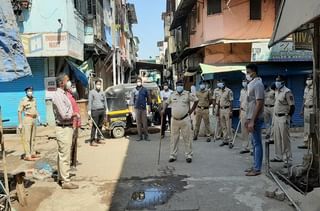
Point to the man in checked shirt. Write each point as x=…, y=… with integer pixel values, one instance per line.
x=63, y=112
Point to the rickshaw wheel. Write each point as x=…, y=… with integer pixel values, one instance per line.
x=118, y=132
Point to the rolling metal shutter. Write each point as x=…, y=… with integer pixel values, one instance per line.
x=12, y=92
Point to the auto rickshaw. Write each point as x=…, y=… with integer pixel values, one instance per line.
x=120, y=114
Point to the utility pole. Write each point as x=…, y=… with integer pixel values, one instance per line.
x=113, y=29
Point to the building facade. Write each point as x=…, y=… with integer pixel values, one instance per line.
x=227, y=35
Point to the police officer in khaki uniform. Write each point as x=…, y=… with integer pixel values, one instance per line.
x=181, y=121
x=202, y=111
x=225, y=112
x=28, y=124
x=269, y=100
x=246, y=145
x=307, y=110
x=283, y=111
x=215, y=109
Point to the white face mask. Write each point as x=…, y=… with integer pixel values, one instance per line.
x=29, y=94
x=98, y=87
x=309, y=82
x=165, y=87
x=278, y=84
x=220, y=85
x=68, y=85
x=248, y=77
x=244, y=84
x=74, y=90
x=202, y=86
x=139, y=83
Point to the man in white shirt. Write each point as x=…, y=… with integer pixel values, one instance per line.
x=164, y=95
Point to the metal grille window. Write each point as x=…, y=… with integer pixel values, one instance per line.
x=89, y=6
x=214, y=7
x=255, y=9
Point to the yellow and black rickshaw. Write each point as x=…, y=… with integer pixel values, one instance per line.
x=120, y=114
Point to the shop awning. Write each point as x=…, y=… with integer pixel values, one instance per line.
x=209, y=69
x=182, y=12
x=292, y=15
x=189, y=74
x=78, y=74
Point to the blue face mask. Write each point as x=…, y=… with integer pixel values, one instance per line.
x=179, y=89
x=202, y=86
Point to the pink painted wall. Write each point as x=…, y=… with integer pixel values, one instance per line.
x=233, y=23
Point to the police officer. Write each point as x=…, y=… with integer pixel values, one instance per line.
x=202, y=111
x=28, y=124
x=164, y=95
x=243, y=113
x=307, y=109
x=225, y=112
x=181, y=121
x=269, y=100
x=215, y=109
x=283, y=111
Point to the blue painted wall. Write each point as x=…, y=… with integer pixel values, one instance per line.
x=12, y=92
x=44, y=14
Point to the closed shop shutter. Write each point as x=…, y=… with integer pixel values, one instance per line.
x=12, y=92
x=296, y=84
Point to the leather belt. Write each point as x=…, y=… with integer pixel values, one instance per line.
x=308, y=106
x=31, y=115
x=203, y=107
x=225, y=107
x=64, y=125
x=269, y=106
x=179, y=119
x=281, y=115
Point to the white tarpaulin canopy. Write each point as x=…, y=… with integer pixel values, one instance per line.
x=292, y=15
x=208, y=69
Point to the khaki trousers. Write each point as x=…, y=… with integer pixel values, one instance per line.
x=64, y=140
x=268, y=116
x=183, y=128
x=246, y=143
x=142, y=122
x=202, y=114
x=29, y=134
x=217, y=131
x=282, y=137
x=225, y=122
x=306, y=114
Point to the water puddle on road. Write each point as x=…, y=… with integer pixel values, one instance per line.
x=149, y=198
x=148, y=193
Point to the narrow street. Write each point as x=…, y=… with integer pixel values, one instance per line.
x=110, y=175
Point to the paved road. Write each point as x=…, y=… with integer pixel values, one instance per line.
x=123, y=174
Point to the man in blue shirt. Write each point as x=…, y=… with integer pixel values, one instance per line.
x=140, y=99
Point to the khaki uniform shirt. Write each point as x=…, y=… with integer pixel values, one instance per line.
x=226, y=96
x=284, y=99
x=180, y=103
x=308, y=96
x=243, y=99
x=28, y=107
x=204, y=98
x=269, y=97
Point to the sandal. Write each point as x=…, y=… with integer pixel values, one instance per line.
x=93, y=144
x=275, y=160
x=29, y=159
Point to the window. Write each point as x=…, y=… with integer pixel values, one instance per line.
x=214, y=7
x=255, y=9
